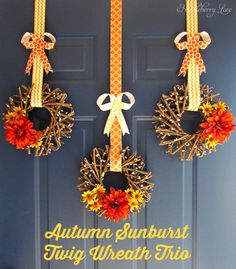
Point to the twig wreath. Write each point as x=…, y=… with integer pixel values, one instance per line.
x=38, y=117
x=20, y=130
x=215, y=128
x=216, y=123
x=115, y=203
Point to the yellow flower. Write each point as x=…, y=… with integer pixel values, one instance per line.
x=99, y=191
x=37, y=144
x=211, y=142
x=134, y=205
x=88, y=197
x=206, y=109
x=220, y=105
x=9, y=117
x=129, y=193
x=138, y=196
x=18, y=111
x=96, y=205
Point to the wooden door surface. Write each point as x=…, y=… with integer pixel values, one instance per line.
x=37, y=193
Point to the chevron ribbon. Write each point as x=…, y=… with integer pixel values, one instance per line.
x=39, y=61
x=193, y=62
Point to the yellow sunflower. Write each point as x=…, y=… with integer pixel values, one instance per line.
x=206, y=109
x=88, y=197
x=129, y=193
x=9, y=117
x=211, y=142
x=134, y=205
x=138, y=196
x=99, y=191
x=96, y=205
x=18, y=111
x=220, y=105
x=37, y=144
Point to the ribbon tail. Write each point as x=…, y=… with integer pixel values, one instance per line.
x=29, y=64
x=46, y=64
x=122, y=122
x=184, y=67
x=109, y=123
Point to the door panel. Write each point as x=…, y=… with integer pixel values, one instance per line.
x=37, y=193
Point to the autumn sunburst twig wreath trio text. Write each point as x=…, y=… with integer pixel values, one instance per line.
x=216, y=122
x=115, y=203
x=38, y=116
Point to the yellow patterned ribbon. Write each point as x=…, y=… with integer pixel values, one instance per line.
x=194, y=65
x=116, y=105
x=38, y=66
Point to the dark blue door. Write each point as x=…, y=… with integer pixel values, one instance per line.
x=37, y=193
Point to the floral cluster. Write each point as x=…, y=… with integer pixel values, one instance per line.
x=217, y=125
x=19, y=130
x=114, y=204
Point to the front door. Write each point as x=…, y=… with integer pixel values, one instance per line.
x=37, y=193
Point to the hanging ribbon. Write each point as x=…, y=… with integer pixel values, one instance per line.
x=116, y=81
x=37, y=56
x=116, y=105
x=193, y=46
x=193, y=62
x=38, y=46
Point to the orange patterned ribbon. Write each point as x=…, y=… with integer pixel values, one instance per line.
x=116, y=80
x=38, y=46
x=193, y=46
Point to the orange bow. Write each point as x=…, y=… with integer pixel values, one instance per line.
x=38, y=46
x=193, y=46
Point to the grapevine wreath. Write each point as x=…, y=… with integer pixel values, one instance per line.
x=214, y=122
x=20, y=130
x=113, y=181
x=214, y=129
x=38, y=117
x=114, y=204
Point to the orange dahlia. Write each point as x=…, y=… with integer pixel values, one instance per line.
x=115, y=205
x=21, y=133
x=219, y=124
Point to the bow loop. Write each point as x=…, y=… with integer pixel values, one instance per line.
x=38, y=46
x=116, y=105
x=193, y=46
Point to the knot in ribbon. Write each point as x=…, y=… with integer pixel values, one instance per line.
x=193, y=46
x=116, y=105
x=38, y=46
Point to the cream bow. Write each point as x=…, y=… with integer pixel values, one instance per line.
x=115, y=106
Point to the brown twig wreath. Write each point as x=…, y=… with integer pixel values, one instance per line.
x=215, y=128
x=20, y=130
x=114, y=204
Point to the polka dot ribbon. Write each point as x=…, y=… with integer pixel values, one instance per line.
x=38, y=46
x=193, y=46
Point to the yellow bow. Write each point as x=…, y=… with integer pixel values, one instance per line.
x=116, y=106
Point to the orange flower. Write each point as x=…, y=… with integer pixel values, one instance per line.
x=21, y=133
x=115, y=205
x=219, y=125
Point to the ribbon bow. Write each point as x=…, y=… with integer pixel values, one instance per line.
x=115, y=106
x=193, y=46
x=38, y=46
